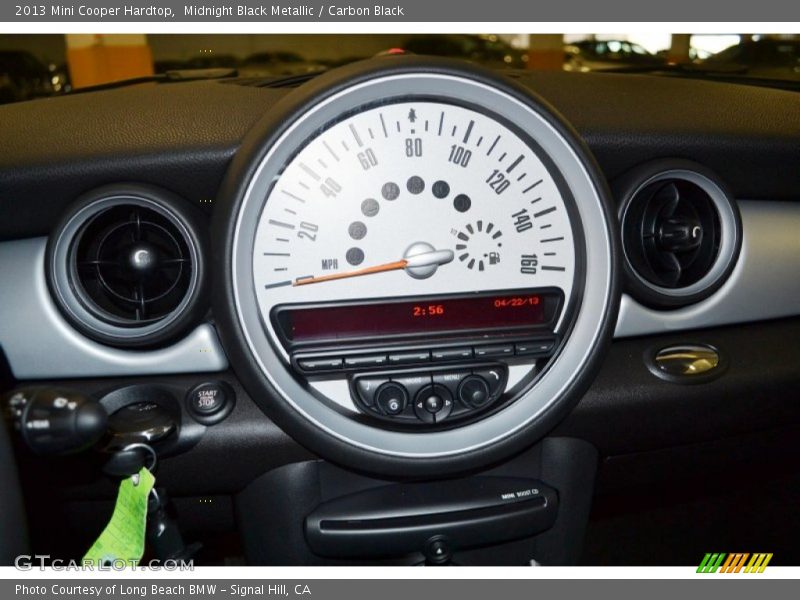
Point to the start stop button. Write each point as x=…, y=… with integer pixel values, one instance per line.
x=210, y=402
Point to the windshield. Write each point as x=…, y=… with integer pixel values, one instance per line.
x=36, y=66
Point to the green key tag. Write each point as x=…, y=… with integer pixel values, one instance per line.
x=123, y=537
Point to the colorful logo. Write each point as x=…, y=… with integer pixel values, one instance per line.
x=734, y=563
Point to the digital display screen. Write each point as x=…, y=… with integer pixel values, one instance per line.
x=420, y=317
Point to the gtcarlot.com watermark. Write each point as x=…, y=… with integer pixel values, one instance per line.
x=27, y=562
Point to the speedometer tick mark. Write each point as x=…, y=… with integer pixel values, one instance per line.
x=355, y=135
x=278, y=269
x=281, y=224
x=454, y=131
x=555, y=239
x=304, y=185
x=278, y=284
x=548, y=226
x=530, y=187
x=290, y=211
x=535, y=200
x=478, y=144
x=276, y=254
x=398, y=127
x=549, y=268
x=544, y=212
x=469, y=131
x=441, y=123
x=371, y=135
x=310, y=171
x=333, y=154
x=502, y=157
x=463, y=257
x=293, y=196
x=345, y=146
x=383, y=124
x=521, y=177
x=514, y=164
x=322, y=163
x=494, y=143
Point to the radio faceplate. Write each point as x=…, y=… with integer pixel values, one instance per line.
x=437, y=382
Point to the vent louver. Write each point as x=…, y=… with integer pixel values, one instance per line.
x=133, y=265
x=681, y=234
x=125, y=265
x=672, y=233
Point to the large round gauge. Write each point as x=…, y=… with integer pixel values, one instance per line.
x=462, y=194
x=417, y=266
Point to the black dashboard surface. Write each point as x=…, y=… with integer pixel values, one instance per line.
x=182, y=135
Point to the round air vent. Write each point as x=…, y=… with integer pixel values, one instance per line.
x=125, y=265
x=681, y=233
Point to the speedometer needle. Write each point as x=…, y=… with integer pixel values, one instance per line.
x=418, y=263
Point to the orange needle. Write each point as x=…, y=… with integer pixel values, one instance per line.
x=391, y=266
x=428, y=257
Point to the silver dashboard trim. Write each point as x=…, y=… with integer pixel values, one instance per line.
x=39, y=343
x=765, y=284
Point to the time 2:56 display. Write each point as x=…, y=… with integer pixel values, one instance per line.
x=431, y=310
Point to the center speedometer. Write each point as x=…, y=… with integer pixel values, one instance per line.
x=418, y=197
x=418, y=265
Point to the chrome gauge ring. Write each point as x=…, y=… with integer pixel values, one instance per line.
x=418, y=266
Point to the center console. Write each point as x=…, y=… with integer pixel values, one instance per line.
x=531, y=509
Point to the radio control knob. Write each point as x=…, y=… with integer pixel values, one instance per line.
x=434, y=403
x=496, y=377
x=391, y=398
x=474, y=391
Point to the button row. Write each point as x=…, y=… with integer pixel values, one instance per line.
x=537, y=347
x=430, y=397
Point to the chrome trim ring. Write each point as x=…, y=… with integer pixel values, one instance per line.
x=579, y=347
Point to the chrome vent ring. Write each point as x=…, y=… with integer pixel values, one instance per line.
x=126, y=267
x=681, y=233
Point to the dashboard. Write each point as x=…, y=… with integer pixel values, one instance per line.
x=409, y=268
